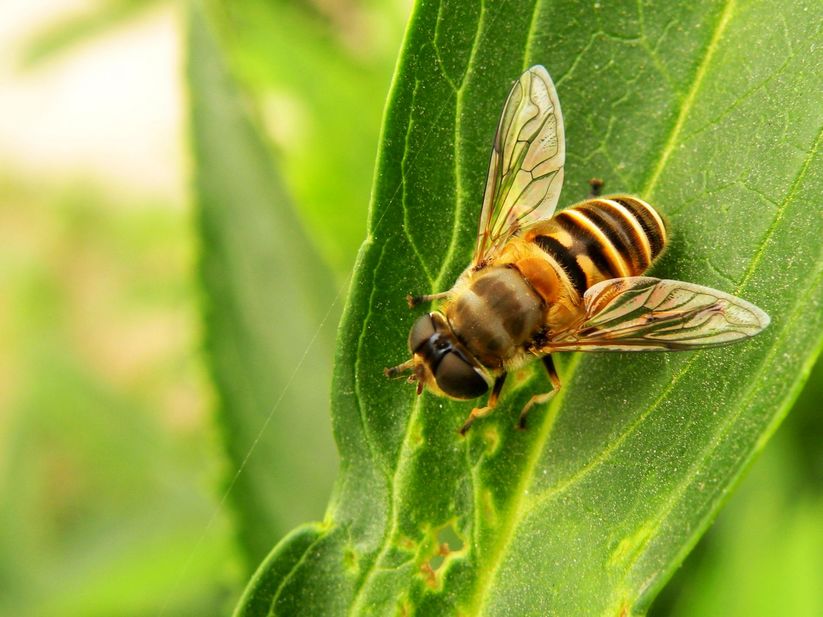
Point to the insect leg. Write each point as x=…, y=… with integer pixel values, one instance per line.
x=482, y=412
x=415, y=300
x=539, y=399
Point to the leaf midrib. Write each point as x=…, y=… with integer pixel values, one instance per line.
x=494, y=559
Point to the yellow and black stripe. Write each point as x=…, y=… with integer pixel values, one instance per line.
x=603, y=238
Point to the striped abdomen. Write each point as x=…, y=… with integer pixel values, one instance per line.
x=603, y=238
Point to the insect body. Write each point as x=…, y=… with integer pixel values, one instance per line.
x=541, y=282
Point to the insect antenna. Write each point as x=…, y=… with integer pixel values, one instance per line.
x=396, y=372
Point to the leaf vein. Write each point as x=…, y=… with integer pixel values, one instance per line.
x=436, y=49
x=691, y=95
x=804, y=168
x=458, y=184
x=612, y=446
x=288, y=577
x=361, y=341
x=513, y=515
x=405, y=164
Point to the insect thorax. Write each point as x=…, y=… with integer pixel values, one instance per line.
x=495, y=314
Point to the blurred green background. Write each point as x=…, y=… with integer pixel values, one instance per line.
x=126, y=129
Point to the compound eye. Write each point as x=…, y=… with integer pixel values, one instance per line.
x=458, y=378
x=421, y=331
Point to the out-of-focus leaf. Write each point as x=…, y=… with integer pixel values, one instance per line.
x=269, y=312
x=319, y=83
x=70, y=30
x=106, y=472
x=702, y=108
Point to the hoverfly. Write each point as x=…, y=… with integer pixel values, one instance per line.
x=541, y=282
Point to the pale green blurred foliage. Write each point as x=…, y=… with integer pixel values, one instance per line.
x=111, y=471
x=108, y=461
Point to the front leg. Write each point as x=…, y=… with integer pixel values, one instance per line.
x=482, y=412
x=539, y=399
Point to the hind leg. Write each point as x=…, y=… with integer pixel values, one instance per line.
x=539, y=399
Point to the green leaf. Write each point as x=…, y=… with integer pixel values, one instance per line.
x=269, y=308
x=703, y=109
x=104, y=481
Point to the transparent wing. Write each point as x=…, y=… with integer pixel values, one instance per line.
x=647, y=314
x=526, y=167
